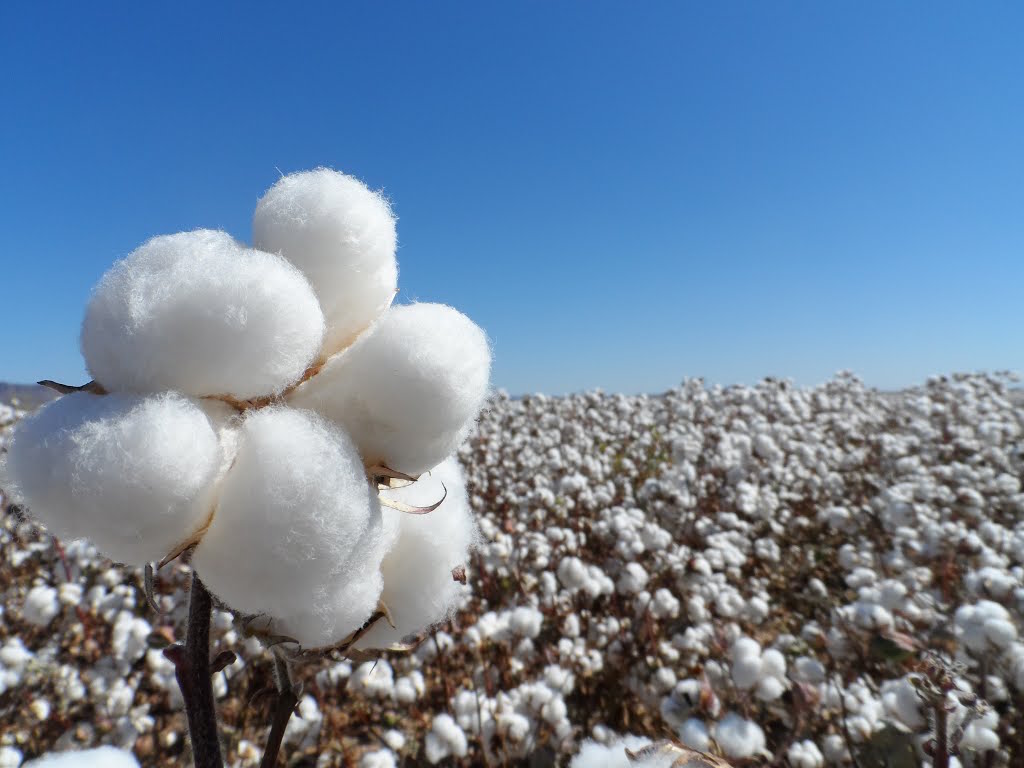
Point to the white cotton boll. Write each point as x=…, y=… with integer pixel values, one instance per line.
x=981, y=734
x=408, y=391
x=373, y=678
x=739, y=737
x=380, y=758
x=134, y=475
x=769, y=688
x=41, y=606
x=342, y=236
x=773, y=663
x=102, y=757
x=595, y=755
x=633, y=579
x=297, y=535
x=804, y=754
x=10, y=757
x=445, y=738
x=695, y=735
x=199, y=313
x=419, y=589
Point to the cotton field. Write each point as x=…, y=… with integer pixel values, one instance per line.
x=774, y=575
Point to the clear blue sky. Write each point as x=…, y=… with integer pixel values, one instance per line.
x=621, y=194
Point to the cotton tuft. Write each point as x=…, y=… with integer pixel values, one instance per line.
x=133, y=475
x=419, y=589
x=408, y=391
x=199, y=313
x=342, y=236
x=296, y=528
x=101, y=757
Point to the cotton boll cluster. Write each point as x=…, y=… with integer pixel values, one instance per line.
x=201, y=431
x=764, y=672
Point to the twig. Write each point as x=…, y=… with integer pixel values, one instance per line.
x=192, y=669
x=842, y=709
x=283, y=708
x=941, y=757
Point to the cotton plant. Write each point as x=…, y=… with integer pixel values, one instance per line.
x=269, y=413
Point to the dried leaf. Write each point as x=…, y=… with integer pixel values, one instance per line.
x=386, y=478
x=682, y=757
x=402, y=507
x=187, y=544
x=222, y=660
x=67, y=389
x=148, y=582
x=459, y=574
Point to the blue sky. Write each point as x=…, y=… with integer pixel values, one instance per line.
x=621, y=194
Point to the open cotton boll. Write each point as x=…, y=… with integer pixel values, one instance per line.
x=342, y=236
x=419, y=590
x=101, y=757
x=593, y=754
x=739, y=737
x=133, y=475
x=199, y=313
x=408, y=391
x=295, y=522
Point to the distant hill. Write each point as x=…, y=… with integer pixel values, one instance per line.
x=25, y=396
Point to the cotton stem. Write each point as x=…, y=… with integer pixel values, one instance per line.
x=192, y=669
x=283, y=708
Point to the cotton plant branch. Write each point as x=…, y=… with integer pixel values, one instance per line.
x=284, y=705
x=194, y=674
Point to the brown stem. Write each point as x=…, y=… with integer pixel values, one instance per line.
x=941, y=759
x=286, y=701
x=192, y=669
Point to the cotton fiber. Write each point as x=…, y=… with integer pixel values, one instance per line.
x=419, y=590
x=295, y=523
x=595, y=755
x=349, y=602
x=134, y=475
x=408, y=391
x=342, y=236
x=199, y=313
x=739, y=737
x=102, y=757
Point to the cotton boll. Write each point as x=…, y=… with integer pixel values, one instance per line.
x=41, y=606
x=595, y=755
x=418, y=586
x=199, y=313
x=134, y=475
x=739, y=737
x=694, y=734
x=445, y=738
x=804, y=754
x=342, y=236
x=297, y=535
x=408, y=391
x=380, y=758
x=102, y=757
